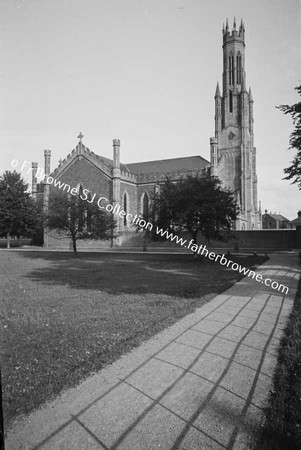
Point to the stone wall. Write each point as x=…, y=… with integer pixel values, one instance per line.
x=243, y=241
x=248, y=241
x=90, y=177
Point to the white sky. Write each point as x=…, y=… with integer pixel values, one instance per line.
x=144, y=71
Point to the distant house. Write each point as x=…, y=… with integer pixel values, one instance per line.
x=275, y=221
x=296, y=221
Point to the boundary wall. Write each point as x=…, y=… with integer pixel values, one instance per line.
x=242, y=241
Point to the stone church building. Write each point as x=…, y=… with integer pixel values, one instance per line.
x=232, y=154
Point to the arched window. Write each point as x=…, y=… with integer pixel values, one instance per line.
x=231, y=69
x=145, y=205
x=238, y=68
x=125, y=208
x=231, y=102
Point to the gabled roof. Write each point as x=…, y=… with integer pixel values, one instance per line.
x=297, y=220
x=101, y=162
x=278, y=217
x=168, y=165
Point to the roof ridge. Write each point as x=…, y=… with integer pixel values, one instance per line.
x=167, y=159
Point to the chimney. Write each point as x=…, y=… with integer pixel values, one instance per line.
x=34, y=166
x=299, y=213
x=47, y=155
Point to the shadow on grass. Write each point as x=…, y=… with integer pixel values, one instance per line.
x=173, y=275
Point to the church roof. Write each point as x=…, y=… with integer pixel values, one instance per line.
x=168, y=165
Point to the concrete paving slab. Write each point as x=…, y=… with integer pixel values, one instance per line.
x=178, y=354
x=248, y=356
x=155, y=377
x=233, y=333
x=238, y=380
x=209, y=366
x=156, y=430
x=72, y=436
x=186, y=396
x=221, y=415
x=195, y=339
x=222, y=347
x=262, y=390
x=244, y=321
x=209, y=326
x=269, y=364
x=196, y=439
x=125, y=404
x=200, y=384
x=255, y=340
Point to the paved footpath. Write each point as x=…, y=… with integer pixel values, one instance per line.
x=200, y=384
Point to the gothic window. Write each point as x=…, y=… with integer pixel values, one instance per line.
x=145, y=206
x=231, y=69
x=125, y=208
x=238, y=68
x=231, y=102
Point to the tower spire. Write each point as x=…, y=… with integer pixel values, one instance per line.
x=217, y=91
x=250, y=95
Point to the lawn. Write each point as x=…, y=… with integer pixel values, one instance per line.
x=63, y=318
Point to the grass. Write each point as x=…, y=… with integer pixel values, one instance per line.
x=282, y=428
x=63, y=318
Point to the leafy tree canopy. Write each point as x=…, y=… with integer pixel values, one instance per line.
x=76, y=218
x=197, y=204
x=19, y=214
x=293, y=172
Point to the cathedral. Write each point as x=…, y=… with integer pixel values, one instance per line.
x=232, y=156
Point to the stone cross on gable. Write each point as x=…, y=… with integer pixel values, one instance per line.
x=80, y=136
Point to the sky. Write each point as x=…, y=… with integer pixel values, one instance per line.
x=145, y=72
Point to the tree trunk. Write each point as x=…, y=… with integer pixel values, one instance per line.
x=74, y=245
x=8, y=240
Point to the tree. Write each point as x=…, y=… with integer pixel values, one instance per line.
x=19, y=214
x=73, y=217
x=197, y=204
x=293, y=172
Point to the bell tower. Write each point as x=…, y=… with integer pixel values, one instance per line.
x=233, y=155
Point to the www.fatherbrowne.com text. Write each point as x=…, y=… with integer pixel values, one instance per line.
x=103, y=203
